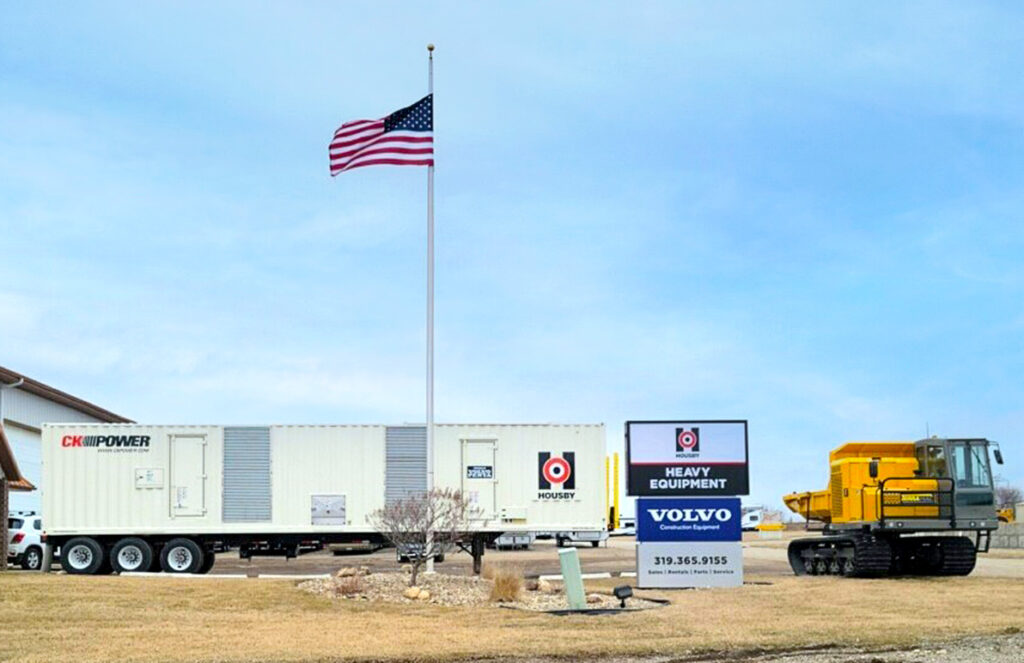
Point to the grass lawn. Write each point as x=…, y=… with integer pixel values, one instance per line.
x=81, y=619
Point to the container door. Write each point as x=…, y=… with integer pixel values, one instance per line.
x=479, y=481
x=188, y=475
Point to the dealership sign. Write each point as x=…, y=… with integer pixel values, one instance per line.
x=688, y=519
x=688, y=564
x=686, y=458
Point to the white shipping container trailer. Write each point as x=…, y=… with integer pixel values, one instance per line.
x=129, y=497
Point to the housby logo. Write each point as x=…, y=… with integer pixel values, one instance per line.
x=688, y=439
x=556, y=475
x=106, y=441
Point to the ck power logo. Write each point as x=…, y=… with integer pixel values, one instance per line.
x=135, y=443
x=556, y=475
x=687, y=442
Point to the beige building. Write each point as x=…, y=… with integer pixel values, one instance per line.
x=25, y=405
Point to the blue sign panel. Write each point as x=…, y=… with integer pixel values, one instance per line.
x=688, y=519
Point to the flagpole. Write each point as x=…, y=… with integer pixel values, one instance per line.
x=430, y=308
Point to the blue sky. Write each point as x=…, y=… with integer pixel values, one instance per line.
x=804, y=215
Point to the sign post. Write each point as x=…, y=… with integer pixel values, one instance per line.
x=689, y=522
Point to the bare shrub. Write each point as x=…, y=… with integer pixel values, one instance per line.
x=351, y=586
x=487, y=571
x=1008, y=496
x=508, y=584
x=425, y=525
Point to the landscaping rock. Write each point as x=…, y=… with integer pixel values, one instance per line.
x=443, y=589
x=346, y=572
x=593, y=598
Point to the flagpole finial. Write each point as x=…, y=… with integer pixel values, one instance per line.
x=430, y=47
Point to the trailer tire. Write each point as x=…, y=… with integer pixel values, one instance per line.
x=82, y=555
x=131, y=555
x=181, y=556
x=208, y=560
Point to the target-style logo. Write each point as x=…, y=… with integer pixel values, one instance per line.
x=688, y=439
x=556, y=471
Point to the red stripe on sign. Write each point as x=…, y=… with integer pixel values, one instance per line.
x=737, y=462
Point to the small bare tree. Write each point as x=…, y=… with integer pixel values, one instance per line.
x=1008, y=495
x=445, y=513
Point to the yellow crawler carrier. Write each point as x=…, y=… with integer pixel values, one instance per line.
x=895, y=508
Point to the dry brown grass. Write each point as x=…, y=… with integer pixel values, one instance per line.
x=508, y=583
x=85, y=619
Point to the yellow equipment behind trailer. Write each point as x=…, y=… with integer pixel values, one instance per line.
x=881, y=493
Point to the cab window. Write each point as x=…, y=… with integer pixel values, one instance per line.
x=937, y=462
x=970, y=465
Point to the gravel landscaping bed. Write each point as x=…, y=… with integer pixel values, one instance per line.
x=441, y=589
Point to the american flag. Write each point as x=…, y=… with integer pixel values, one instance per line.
x=404, y=138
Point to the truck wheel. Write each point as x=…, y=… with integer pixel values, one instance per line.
x=32, y=560
x=181, y=556
x=208, y=559
x=131, y=555
x=82, y=555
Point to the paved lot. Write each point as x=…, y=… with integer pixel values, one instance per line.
x=617, y=556
x=763, y=558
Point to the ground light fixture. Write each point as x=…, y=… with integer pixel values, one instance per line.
x=623, y=592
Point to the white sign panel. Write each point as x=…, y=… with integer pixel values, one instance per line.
x=685, y=564
x=686, y=458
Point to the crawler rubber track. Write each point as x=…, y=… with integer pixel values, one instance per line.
x=856, y=555
x=873, y=557
x=937, y=555
x=864, y=555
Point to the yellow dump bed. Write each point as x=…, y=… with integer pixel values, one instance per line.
x=852, y=493
x=811, y=505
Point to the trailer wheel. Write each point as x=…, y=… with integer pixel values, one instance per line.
x=208, y=559
x=181, y=556
x=131, y=555
x=82, y=555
